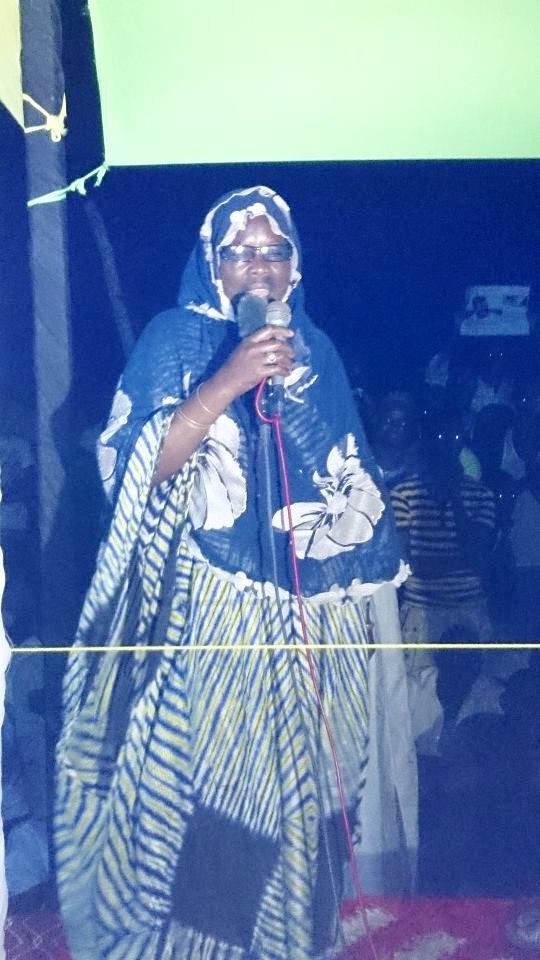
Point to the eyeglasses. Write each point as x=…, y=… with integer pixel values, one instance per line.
x=243, y=253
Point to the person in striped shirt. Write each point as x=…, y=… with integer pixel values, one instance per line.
x=446, y=522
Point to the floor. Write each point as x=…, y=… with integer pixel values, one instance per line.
x=419, y=929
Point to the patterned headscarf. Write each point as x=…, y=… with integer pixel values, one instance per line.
x=343, y=527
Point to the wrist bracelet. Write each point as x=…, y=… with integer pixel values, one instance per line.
x=202, y=403
x=192, y=423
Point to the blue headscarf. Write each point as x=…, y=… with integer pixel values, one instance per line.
x=342, y=522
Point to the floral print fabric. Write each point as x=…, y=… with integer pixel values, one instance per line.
x=346, y=515
x=218, y=495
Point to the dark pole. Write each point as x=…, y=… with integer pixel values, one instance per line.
x=43, y=86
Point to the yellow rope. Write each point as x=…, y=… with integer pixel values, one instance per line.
x=55, y=123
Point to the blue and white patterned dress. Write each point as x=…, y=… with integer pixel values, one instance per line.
x=197, y=813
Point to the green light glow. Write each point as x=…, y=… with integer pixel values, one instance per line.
x=230, y=81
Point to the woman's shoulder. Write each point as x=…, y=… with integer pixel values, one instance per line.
x=325, y=353
x=164, y=338
x=163, y=326
x=320, y=337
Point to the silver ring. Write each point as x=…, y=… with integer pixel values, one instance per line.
x=271, y=359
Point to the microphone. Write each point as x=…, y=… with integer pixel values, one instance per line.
x=278, y=314
x=250, y=313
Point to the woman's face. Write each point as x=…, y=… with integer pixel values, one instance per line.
x=260, y=277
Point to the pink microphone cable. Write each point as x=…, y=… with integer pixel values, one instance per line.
x=275, y=422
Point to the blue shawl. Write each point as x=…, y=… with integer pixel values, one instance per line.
x=342, y=521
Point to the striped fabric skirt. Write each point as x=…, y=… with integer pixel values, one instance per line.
x=197, y=811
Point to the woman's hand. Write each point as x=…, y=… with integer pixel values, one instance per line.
x=263, y=354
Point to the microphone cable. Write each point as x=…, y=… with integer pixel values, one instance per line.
x=265, y=436
x=274, y=422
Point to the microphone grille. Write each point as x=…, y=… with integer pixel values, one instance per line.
x=250, y=314
x=278, y=314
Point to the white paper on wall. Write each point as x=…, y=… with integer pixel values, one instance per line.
x=496, y=311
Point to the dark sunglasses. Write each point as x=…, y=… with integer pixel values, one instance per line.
x=243, y=253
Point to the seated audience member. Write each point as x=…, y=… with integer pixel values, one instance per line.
x=395, y=437
x=446, y=521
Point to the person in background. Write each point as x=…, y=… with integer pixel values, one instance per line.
x=495, y=381
x=491, y=782
x=520, y=469
x=488, y=438
x=477, y=373
x=395, y=437
x=491, y=426
x=523, y=437
x=446, y=521
x=525, y=544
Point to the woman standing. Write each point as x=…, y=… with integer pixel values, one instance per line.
x=197, y=812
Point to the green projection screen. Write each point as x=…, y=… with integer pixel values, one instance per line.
x=220, y=81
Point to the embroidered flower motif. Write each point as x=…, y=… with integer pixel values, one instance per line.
x=107, y=456
x=350, y=508
x=218, y=495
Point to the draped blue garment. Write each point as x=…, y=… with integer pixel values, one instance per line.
x=342, y=521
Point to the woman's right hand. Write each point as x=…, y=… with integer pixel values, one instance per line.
x=247, y=365
x=261, y=355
